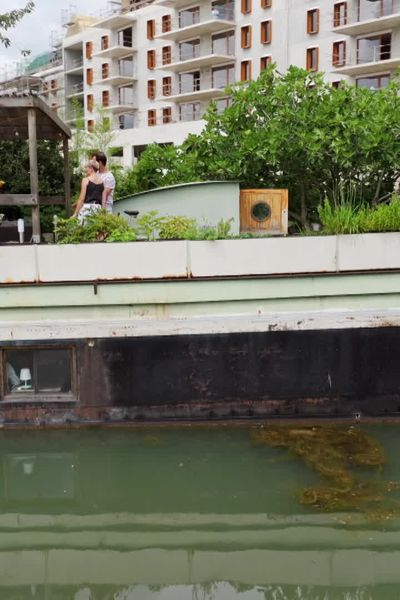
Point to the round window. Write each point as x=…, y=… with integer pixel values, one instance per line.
x=261, y=211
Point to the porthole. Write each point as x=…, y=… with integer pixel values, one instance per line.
x=261, y=211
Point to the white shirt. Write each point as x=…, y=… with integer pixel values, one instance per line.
x=108, y=180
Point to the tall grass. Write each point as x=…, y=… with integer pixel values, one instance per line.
x=347, y=217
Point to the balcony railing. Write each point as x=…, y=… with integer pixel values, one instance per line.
x=374, y=54
x=220, y=13
x=368, y=10
x=77, y=88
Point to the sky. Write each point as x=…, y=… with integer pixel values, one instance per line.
x=34, y=31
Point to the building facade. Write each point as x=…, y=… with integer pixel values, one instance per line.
x=154, y=66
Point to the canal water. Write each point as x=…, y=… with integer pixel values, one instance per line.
x=186, y=513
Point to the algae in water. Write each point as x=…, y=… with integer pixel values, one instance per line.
x=333, y=453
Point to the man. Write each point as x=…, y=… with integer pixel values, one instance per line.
x=107, y=178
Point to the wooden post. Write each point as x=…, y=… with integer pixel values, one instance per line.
x=67, y=176
x=33, y=166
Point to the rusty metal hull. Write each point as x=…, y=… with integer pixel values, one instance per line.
x=329, y=373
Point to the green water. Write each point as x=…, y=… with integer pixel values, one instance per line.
x=181, y=514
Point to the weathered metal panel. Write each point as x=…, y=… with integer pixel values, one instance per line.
x=368, y=251
x=92, y=262
x=17, y=264
x=263, y=257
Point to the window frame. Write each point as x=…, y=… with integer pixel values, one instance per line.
x=151, y=59
x=266, y=3
x=266, y=31
x=337, y=19
x=336, y=46
x=151, y=89
x=34, y=397
x=245, y=36
x=167, y=115
x=245, y=7
x=245, y=70
x=265, y=61
x=309, y=58
x=150, y=29
x=310, y=21
x=167, y=85
x=151, y=117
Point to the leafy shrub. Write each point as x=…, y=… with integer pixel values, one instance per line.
x=98, y=226
x=176, y=228
x=148, y=225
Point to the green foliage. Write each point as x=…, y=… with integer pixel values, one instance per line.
x=290, y=130
x=10, y=19
x=350, y=218
x=343, y=218
x=176, y=228
x=148, y=225
x=98, y=226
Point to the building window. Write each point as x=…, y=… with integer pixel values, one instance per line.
x=151, y=29
x=126, y=67
x=151, y=117
x=167, y=86
x=189, y=16
x=222, y=104
x=125, y=38
x=266, y=32
x=44, y=371
x=151, y=59
x=190, y=111
x=246, y=6
x=189, y=49
x=313, y=21
x=53, y=85
x=166, y=55
x=223, y=43
x=189, y=82
x=90, y=102
x=90, y=125
x=336, y=84
x=105, y=98
x=266, y=3
x=373, y=49
x=151, y=89
x=126, y=95
x=167, y=115
x=339, y=14
x=105, y=42
x=264, y=62
x=105, y=70
x=89, y=50
x=373, y=83
x=126, y=121
x=374, y=10
x=223, y=76
x=223, y=9
x=89, y=76
x=245, y=70
x=166, y=23
x=312, y=59
x=339, y=54
x=246, y=36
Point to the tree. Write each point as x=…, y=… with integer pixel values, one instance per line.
x=293, y=130
x=9, y=19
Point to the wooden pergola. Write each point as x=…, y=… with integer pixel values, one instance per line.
x=28, y=117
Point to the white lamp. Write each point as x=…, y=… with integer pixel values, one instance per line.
x=25, y=376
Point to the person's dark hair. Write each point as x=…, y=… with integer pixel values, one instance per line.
x=101, y=158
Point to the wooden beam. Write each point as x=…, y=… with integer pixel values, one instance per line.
x=67, y=176
x=17, y=200
x=33, y=167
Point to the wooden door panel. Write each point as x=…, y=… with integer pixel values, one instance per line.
x=275, y=222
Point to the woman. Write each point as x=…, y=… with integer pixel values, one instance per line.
x=92, y=196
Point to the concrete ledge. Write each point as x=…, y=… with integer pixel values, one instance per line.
x=181, y=259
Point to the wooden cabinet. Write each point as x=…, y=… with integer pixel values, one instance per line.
x=264, y=211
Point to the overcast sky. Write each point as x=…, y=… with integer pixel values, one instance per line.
x=34, y=31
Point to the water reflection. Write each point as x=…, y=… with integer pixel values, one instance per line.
x=179, y=515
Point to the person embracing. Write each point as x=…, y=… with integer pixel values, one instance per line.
x=107, y=178
x=93, y=195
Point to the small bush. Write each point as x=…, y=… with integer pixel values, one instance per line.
x=347, y=218
x=148, y=225
x=176, y=228
x=385, y=217
x=99, y=226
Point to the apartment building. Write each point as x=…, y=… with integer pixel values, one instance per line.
x=155, y=65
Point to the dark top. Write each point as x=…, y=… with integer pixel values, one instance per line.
x=94, y=193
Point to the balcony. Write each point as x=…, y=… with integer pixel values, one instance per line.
x=122, y=104
x=117, y=50
x=76, y=90
x=74, y=66
x=368, y=61
x=186, y=62
x=370, y=17
x=117, y=77
x=197, y=90
x=219, y=20
x=115, y=20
